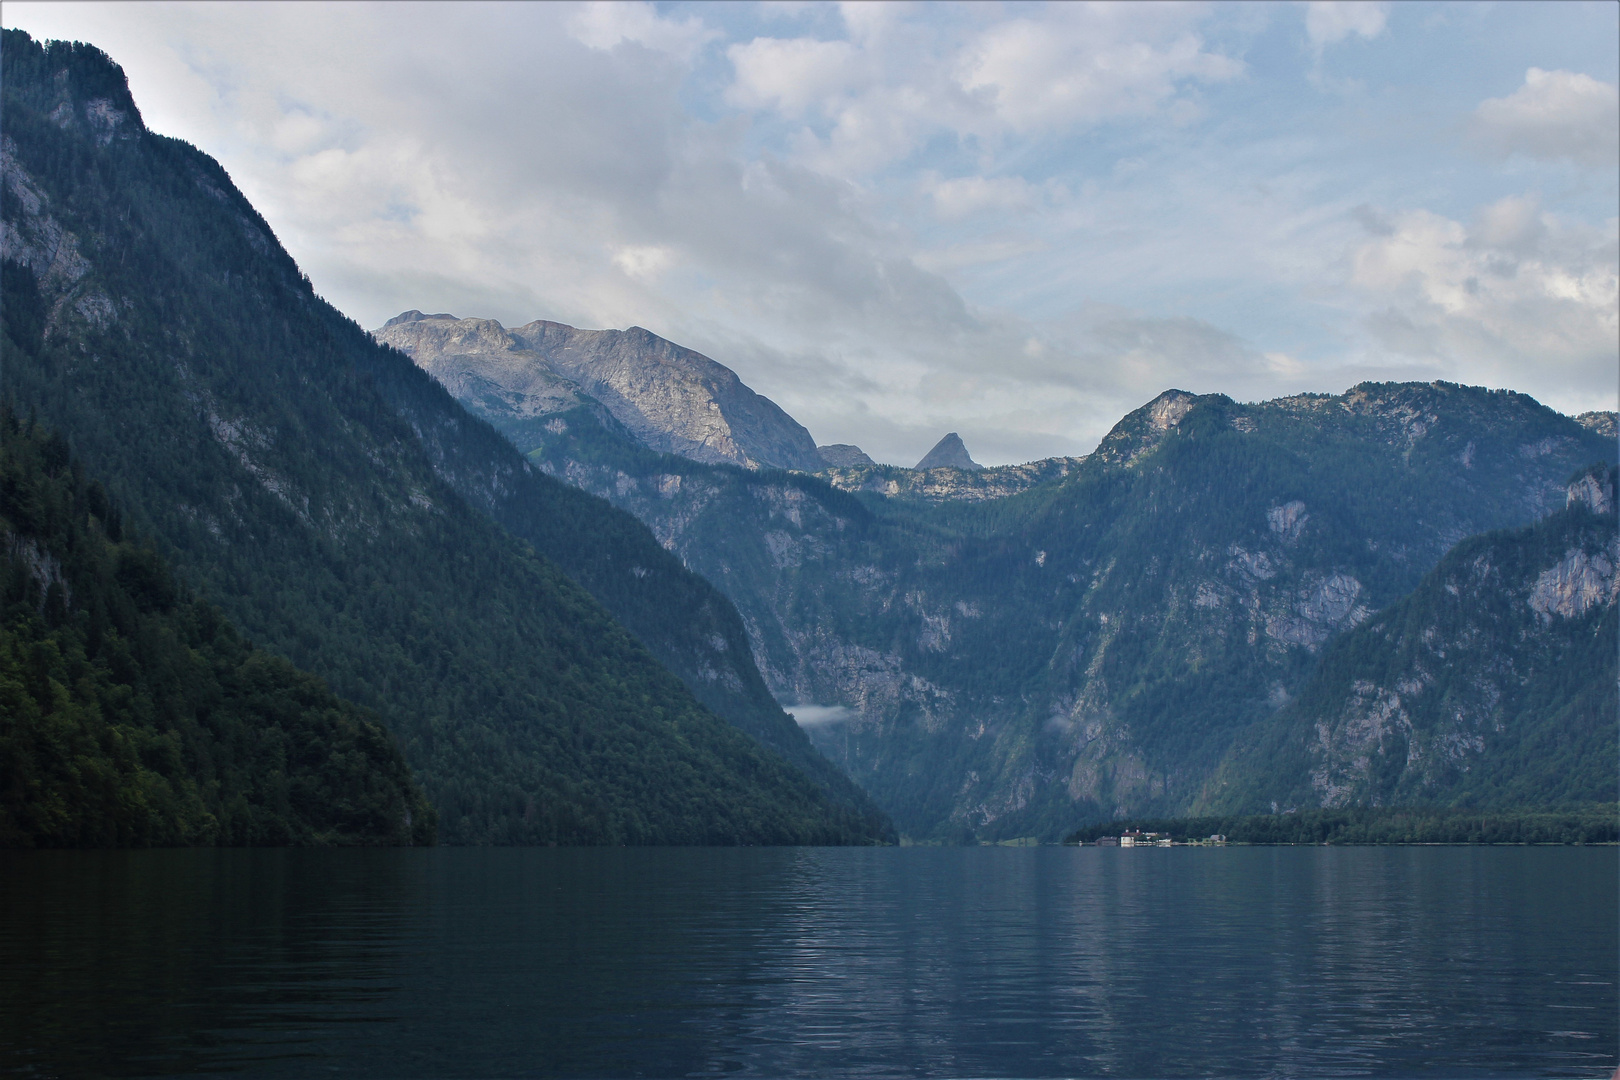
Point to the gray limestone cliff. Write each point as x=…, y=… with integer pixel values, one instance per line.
x=670, y=398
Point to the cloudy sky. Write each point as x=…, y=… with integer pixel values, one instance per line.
x=1012, y=221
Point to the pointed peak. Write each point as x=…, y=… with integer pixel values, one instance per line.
x=949, y=452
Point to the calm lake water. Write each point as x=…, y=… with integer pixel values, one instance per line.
x=988, y=962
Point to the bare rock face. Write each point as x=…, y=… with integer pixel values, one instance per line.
x=950, y=453
x=948, y=485
x=1593, y=490
x=476, y=359
x=1604, y=423
x=1581, y=581
x=669, y=397
x=1138, y=432
x=843, y=456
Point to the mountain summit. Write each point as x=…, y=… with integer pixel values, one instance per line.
x=670, y=398
x=949, y=452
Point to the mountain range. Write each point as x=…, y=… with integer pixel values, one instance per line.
x=575, y=574
x=1005, y=651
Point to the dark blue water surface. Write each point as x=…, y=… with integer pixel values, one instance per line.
x=991, y=962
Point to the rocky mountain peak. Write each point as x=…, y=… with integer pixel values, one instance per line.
x=1142, y=429
x=671, y=398
x=948, y=453
x=844, y=456
x=1604, y=423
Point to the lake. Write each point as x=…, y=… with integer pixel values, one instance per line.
x=983, y=962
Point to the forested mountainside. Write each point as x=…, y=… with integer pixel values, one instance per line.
x=133, y=714
x=281, y=459
x=1492, y=684
x=1090, y=642
x=688, y=624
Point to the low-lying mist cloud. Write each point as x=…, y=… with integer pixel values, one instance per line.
x=819, y=715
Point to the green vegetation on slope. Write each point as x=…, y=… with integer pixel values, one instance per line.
x=1493, y=683
x=132, y=714
x=1596, y=823
x=244, y=424
x=1091, y=646
x=683, y=620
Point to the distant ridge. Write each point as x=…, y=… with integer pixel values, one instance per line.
x=948, y=453
x=668, y=397
x=844, y=456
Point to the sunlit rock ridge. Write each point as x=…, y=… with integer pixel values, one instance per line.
x=670, y=398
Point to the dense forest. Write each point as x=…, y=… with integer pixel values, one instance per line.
x=1593, y=823
x=261, y=441
x=133, y=714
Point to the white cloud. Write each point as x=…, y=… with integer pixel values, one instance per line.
x=791, y=75
x=604, y=24
x=1328, y=22
x=870, y=20
x=877, y=98
x=1519, y=298
x=1077, y=64
x=1555, y=115
x=957, y=256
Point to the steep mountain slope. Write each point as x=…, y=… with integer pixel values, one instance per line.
x=258, y=436
x=689, y=625
x=1491, y=684
x=1203, y=555
x=669, y=398
x=131, y=714
x=1020, y=650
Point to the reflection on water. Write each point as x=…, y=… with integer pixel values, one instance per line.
x=1423, y=962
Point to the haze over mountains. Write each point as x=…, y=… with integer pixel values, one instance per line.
x=573, y=572
x=1011, y=647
